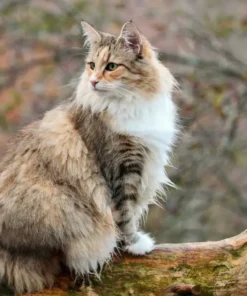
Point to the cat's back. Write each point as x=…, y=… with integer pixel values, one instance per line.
x=48, y=160
x=37, y=135
x=50, y=147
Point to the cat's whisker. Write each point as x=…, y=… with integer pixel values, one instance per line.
x=69, y=84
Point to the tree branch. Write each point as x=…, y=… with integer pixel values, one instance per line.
x=202, y=64
x=208, y=268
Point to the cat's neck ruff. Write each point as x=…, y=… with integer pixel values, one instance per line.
x=152, y=121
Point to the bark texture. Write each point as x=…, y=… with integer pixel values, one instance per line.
x=208, y=268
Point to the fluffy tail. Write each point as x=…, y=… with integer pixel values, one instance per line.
x=27, y=273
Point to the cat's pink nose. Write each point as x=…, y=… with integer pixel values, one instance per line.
x=94, y=82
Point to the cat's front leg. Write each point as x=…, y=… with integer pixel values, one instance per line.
x=134, y=241
x=128, y=212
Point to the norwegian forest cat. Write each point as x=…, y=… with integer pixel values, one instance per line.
x=76, y=183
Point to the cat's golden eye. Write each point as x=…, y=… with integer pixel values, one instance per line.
x=92, y=65
x=111, y=67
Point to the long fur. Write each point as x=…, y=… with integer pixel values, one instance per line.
x=77, y=182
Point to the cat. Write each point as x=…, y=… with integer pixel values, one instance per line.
x=76, y=183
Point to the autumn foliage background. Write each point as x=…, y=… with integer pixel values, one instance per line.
x=204, y=44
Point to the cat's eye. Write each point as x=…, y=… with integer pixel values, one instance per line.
x=111, y=67
x=92, y=65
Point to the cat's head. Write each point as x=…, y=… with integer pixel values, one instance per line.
x=122, y=66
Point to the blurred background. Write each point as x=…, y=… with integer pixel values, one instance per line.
x=203, y=42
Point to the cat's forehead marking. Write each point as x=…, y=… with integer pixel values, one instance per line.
x=104, y=54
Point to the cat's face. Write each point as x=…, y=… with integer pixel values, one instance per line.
x=121, y=65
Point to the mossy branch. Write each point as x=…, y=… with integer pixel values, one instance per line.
x=208, y=268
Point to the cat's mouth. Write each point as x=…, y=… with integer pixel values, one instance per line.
x=97, y=88
x=100, y=89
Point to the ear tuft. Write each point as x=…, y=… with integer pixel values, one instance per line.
x=90, y=33
x=132, y=37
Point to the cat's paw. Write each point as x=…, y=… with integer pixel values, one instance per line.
x=142, y=246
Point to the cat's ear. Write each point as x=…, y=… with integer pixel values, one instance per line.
x=90, y=33
x=132, y=37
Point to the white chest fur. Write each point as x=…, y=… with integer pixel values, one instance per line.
x=153, y=122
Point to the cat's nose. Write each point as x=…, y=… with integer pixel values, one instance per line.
x=94, y=82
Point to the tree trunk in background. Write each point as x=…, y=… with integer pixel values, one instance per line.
x=209, y=268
